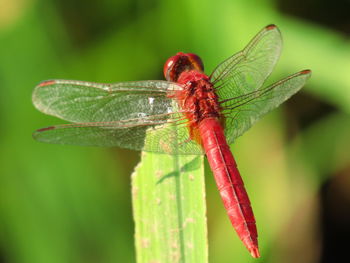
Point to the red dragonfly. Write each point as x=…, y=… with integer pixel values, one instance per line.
x=190, y=113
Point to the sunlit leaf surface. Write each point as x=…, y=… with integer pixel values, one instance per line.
x=169, y=209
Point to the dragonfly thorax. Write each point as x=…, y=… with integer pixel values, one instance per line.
x=197, y=100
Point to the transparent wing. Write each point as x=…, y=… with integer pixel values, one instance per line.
x=80, y=101
x=120, y=114
x=162, y=136
x=243, y=111
x=247, y=70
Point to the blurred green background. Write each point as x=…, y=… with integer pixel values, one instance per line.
x=73, y=204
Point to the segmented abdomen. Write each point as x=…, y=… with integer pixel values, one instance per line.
x=229, y=182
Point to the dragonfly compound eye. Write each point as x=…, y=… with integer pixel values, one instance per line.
x=196, y=62
x=175, y=65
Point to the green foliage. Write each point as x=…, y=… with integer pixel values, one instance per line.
x=72, y=204
x=169, y=209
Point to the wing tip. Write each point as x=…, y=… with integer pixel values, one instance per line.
x=45, y=129
x=306, y=72
x=46, y=83
x=39, y=135
x=270, y=27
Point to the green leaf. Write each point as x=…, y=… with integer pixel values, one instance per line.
x=169, y=209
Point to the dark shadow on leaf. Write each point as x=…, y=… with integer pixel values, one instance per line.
x=190, y=166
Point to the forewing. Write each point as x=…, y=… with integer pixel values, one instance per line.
x=243, y=111
x=120, y=114
x=162, y=136
x=80, y=101
x=247, y=70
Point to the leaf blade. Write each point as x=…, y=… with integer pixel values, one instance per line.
x=169, y=209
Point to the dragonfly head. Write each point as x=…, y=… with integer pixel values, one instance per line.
x=175, y=65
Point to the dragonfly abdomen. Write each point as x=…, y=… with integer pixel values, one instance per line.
x=229, y=183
